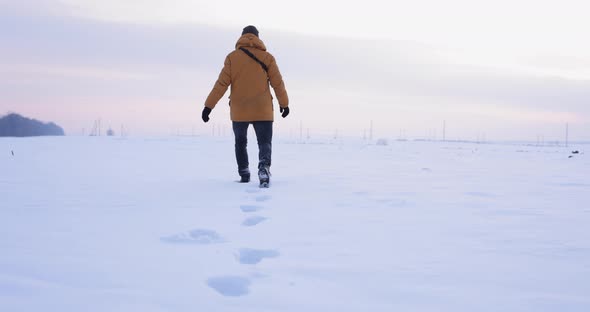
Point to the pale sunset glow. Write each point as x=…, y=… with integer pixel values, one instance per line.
x=511, y=69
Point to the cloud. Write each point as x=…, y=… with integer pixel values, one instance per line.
x=74, y=41
x=410, y=69
x=27, y=71
x=33, y=8
x=50, y=56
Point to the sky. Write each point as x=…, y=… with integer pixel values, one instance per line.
x=501, y=70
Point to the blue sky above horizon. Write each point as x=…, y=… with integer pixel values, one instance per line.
x=512, y=75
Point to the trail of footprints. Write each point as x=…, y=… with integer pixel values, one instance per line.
x=239, y=285
x=230, y=285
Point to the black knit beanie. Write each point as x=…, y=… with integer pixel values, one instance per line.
x=250, y=30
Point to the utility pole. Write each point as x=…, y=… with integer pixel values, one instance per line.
x=300, y=130
x=566, y=134
x=444, y=130
x=371, y=132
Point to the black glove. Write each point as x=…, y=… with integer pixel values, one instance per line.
x=205, y=114
x=285, y=111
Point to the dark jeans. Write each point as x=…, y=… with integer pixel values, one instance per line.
x=263, y=131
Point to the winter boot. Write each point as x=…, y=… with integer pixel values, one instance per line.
x=245, y=178
x=264, y=176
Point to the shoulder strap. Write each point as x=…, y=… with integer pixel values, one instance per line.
x=255, y=58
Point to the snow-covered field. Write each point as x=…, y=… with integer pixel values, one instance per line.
x=138, y=224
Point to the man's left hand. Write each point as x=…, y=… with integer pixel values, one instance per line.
x=285, y=111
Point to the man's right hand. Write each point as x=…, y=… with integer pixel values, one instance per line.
x=205, y=114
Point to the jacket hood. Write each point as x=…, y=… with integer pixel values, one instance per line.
x=250, y=41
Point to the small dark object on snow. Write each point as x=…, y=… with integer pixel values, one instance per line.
x=570, y=156
x=12, y=153
x=575, y=152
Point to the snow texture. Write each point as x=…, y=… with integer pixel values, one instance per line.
x=252, y=221
x=254, y=256
x=159, y=224
x=250, y=208
x=198, y=236
x=231, y=286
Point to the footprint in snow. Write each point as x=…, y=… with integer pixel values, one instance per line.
x=197, y=236
x=263, y=198
x=250, y=208
x=230, y=286
x=254, y=256
x=253, y=191
x=252, y=221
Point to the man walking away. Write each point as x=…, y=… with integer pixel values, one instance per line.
x=249, y=70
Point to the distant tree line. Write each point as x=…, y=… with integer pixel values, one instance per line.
x=15, y=125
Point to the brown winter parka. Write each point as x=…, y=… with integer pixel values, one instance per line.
x=250, y=98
